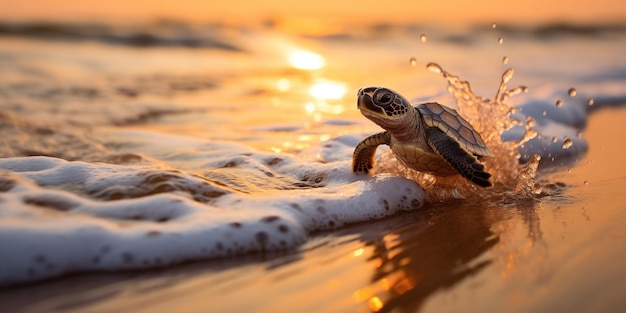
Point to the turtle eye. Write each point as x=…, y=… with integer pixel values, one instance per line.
x=384, y=98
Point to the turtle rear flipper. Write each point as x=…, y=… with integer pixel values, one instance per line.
x=464, y=163
x=363, y=157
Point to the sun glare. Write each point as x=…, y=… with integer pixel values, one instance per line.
x=328, y=90
x=305, y=60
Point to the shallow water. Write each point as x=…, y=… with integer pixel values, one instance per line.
x=172, y=152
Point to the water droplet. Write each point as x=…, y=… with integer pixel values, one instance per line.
x=434, y=67
x=566, y=143
x=589, y=162
x=590, y=101
x=493, y=25
x=544, y=113
x=572, y=92
x=423, y=37
x=579, y=134
x=505, y=60
x=530, y=121
x=586, y=183
x=413, y=61
x=500, y=40
x=517, y=90
x=529, y=134
x=559, y=103
x=569, y=170
x=508, y=74
x=554, y=139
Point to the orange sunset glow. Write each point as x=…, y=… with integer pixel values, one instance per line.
x=308, y=13
x=312, y=156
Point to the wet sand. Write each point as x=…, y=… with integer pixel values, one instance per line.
x=562, y=253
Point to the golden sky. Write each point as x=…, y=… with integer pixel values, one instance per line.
x=242, y=11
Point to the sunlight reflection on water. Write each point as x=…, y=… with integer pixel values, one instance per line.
x=305, y=60
x=328, y=90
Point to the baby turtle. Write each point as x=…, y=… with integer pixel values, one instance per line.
x=429, y=138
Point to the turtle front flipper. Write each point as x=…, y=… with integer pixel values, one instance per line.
x=363, y=157
x=462, y=161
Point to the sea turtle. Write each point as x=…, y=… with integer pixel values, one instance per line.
x=430, y=137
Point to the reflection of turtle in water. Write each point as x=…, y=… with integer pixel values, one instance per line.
x=429, y=138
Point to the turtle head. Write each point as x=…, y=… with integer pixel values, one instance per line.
x=383, y=106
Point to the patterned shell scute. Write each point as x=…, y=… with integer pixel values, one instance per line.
x=450, y=122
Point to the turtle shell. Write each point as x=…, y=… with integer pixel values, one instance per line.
x=452, y=124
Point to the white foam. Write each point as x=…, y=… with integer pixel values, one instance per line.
x=53, y=220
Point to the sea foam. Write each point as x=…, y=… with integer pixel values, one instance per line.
x=59, y=217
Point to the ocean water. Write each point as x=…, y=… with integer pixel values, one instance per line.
x=139, y=147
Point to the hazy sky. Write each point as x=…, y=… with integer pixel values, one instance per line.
x=238, y=11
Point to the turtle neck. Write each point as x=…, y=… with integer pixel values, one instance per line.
x=407, y=129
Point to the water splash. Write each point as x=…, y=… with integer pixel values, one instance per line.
x=490, y=118
x=528, y=135
x=503, y=93
x=526, y=187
